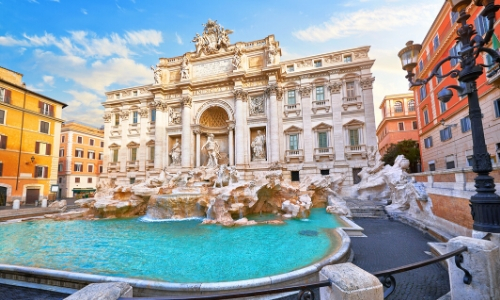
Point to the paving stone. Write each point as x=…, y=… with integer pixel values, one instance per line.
x=10, y=292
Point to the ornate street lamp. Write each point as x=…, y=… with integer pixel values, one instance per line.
x=485, y=204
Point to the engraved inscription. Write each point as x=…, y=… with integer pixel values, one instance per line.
x=212, y=68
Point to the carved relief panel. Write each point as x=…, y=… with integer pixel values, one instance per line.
x=257, y=105
x=174, y=115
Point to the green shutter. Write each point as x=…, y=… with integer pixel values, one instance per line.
x=322, y=140
x=496, y=43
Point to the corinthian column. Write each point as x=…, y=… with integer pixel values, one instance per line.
x=186, y=131
x=274, y=93
x=240, y=125
x=305, y=102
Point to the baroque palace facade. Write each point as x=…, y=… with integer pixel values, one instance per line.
x=239, y=105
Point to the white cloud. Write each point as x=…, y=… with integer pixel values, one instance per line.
x=84, y=107
x=55, y=1
x=33, y=1
x=178, y=39
x=48, y=79
x=84, y=11
x=363, y=21
x=10, y=41
x=144, y=37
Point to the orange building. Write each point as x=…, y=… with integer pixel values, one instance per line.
x=30, y=126
x=444, y=128
x=80, y=159
x=399, y=121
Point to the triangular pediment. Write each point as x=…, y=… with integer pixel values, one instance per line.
x=132, y=144
x=114, y=145
x=293, y=129
x=150, y=143
x=322, y=126
x=354, y=122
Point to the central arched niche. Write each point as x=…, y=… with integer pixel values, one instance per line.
x=214, y=120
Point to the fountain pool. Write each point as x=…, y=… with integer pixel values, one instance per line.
x=174, y=251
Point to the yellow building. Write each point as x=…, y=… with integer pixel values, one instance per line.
x=30, y=126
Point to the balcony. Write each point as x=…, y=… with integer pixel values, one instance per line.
x=321, y=104
x=132, y=165
x=494, y=77
x=292, y=108
x=134, y=128
x=47, y=112
x=294, y=154
x=150, y=164
x=114, y=166
x=351, y=101
x=324, y=152
x=115, y=131
x=151, y=127
x=355, y=150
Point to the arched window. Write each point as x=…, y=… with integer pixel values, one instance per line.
x=411, y=105
x=398, y=107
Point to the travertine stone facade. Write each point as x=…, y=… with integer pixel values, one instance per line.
x=315, y=114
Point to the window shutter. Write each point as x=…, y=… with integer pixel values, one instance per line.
x=441, y=134
x=40, y=104
x=47, y=149
x=51, y=110
x=2, y=117
x=497, y=108
x=1, y=169
x=7, y=96
x=37, y=147
x=45, y=172
x=75, y=168
x=3, y=141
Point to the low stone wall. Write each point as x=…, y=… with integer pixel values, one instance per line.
x=447, y=207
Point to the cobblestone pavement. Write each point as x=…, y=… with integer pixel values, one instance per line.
x=393, y=244
x=9, y=292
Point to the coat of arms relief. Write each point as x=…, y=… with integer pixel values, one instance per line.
x=214, y=38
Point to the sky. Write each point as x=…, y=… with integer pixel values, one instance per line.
x=76, y=50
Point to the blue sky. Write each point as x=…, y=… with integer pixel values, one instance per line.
x=75, y=50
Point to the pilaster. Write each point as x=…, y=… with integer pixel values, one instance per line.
x=240, y=126
x=275, y=94
x=187, y=102
x=161, y=152
x=338, y=137
x=367, y=90
x=308, y=138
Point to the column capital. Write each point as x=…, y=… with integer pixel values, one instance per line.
x=107, y=117
x=335, y=87
x=124, y=114
x=187, y=101
x=240, y=94
x=367, y=83
x=305, y=91
x=230, y=125
x=274, y=89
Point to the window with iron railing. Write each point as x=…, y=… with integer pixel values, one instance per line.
x=291, y=97
x=293, y=142
x=350, y=91
x=320, y=93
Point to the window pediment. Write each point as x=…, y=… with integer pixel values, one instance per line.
x=114, y=146
x=322, y=126
x=132, y=145
x=354, y=123
x=150, y=143
x=293, y=129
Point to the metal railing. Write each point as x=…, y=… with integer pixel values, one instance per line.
x=321, y=103
x=389, y=282
x=305, y=292
x=292, y=106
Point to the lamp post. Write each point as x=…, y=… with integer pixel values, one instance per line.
x=485, y=204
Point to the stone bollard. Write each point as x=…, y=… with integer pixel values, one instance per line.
x=16, y=204
x=103, y=291
x=481, y=260
x=44, y=202
x=349, y=282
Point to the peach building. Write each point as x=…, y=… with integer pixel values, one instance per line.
x=30, y=126
x=444, y=128
x=80, y=159
x=399, y=121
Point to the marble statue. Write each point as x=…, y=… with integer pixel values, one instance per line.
x=212, y=148
x=258, y=146
x=199, y=42
x=233, y=174
x=220, y=175
x=271, y=55
x=185, y=68
x=176, y=153
x=157, y=74
x=236, y=58
x=213, y=38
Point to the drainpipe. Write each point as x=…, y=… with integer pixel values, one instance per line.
x=21, y=143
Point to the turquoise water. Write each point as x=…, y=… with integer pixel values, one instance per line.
x=174, y=251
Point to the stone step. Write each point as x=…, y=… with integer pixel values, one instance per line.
x=368, y=212
x=438, y=249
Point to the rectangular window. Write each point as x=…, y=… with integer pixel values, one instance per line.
x=61, y=152
x=290, y=68
x=1, y=169
x=294, y=142
x=320, y=93
x=2, y=116
x=454, y=51
x=317, y=63
x=102, y=144
x=100, y=169
x=454, y=17
x=115, y=155
x=353, y=137
x=132, y=180
x=44, y=127
x=91, y=142
x=5, y=95
x=401, y=126
x=426, y=116
x=445, y=134
x=423, y=92
x=349, y=86
x=432, y=167
x=415, y=125
x=291, y=97
x=133, y=154
x=60, y=168
x=470, y=160
x=481, y=25
x=41, y=171
x=134, y=93
x=78, y=167
x=79, y=140
x=347, y=58
x=450, y=162
x=79, y=153
x=90, y=168
x=465, y=124
x=117, y=119
x=295, y=175
x=436, y=42
x=428, y=142
x=46, y=109
x=117, y=96
x=77, y=179
x=442, y=106
x=3, y=141
x=496, y=103
x=153, y=115
x=322, y=140
x=60, y=179
x=421, y=65
x=135, y=117
x=63, y=139
x=91, y=155
x=42, y=148
x=440, y=73
x=152, y=153
x=89, y=180
x=100, y=155
x=325, y=172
